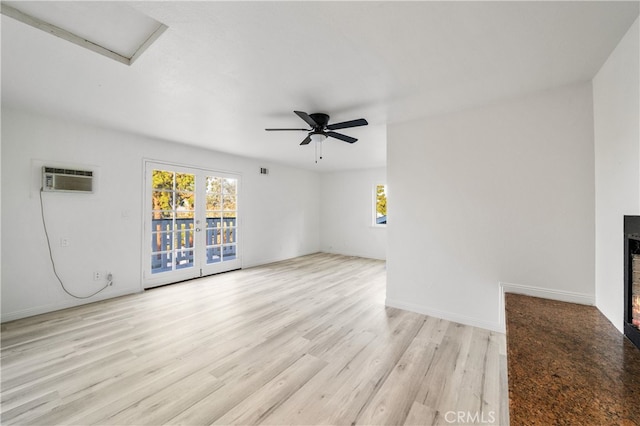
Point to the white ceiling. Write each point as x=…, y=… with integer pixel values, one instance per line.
x=224, y=71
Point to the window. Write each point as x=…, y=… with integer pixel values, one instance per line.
x=380, y=205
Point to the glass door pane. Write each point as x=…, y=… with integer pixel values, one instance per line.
x=172, y=221
x=222, y=213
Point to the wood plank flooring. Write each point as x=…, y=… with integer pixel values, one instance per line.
x=305, y=341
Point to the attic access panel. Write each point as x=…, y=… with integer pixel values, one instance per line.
x=113, y=29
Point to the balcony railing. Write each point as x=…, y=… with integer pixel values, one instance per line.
x=172, y=242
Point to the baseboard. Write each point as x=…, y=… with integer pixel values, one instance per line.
x=449, y=316
x=45, y=309
x=266, y=261
x=546, y=293
x=543, y=293
x=354, y=254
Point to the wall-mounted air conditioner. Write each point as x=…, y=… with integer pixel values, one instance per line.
x=66, y=180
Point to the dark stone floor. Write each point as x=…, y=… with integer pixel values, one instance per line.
x=568, y=365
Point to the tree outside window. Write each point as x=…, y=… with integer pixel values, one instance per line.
x=381, y=205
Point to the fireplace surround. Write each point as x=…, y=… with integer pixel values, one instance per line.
x=632, y=279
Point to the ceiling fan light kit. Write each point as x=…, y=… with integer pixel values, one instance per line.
x=321, y=129
x=317, y=137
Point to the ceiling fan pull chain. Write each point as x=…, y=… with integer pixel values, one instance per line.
x=316, y=149
x=320, y=143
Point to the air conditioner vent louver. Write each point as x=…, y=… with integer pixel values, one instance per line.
x=68, y=171
x=66, y=180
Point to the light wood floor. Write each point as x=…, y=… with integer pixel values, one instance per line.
x=305, y=341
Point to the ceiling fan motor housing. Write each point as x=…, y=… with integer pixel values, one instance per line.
x=321, y=120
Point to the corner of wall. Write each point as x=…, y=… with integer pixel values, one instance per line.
x=616, y=125
x=446, y=315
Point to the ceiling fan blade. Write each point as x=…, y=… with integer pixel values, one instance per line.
x=342, y=137
x=274, y=130
x=346, y=124
x=306, y=140
x=310, y=121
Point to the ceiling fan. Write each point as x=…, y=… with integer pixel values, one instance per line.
x=320, y=127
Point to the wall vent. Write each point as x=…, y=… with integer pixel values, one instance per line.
x=56, y=179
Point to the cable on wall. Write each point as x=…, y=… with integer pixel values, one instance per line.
x=53, y=263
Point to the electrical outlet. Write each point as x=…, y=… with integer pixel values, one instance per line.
x=64, y=242
x=97, y=276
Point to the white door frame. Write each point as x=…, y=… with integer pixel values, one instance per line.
x=200, y=266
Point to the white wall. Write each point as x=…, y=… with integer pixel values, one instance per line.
x=502, y=193
x=280, y=211
x=616, y=105
x=347, y=212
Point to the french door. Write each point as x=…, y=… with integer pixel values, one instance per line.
x=191, y=223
